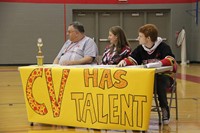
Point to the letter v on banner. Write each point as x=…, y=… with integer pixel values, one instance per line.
x=56, y=104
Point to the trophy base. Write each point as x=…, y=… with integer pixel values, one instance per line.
x=40, y=60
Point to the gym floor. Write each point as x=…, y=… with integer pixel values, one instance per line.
x=13, y=115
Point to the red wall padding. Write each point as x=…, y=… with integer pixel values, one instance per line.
x=102, y=1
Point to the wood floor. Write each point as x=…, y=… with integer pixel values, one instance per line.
x=13, y=116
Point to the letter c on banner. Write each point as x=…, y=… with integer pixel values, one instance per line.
x=37, y=107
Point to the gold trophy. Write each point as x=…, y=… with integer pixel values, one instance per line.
x=40, y=56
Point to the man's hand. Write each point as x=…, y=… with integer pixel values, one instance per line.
x=55, y=61
x=154, y=65
x=122, y=63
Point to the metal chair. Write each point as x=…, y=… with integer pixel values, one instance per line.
x=171, y=96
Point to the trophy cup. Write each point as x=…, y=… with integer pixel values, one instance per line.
x=39, y=56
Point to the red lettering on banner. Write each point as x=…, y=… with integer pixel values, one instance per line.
x=56, y=104
x=37, y=107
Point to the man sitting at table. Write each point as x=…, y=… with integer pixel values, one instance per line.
x=153, y=52
x=79, y=49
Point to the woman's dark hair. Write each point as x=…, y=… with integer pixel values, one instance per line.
x=122, y=40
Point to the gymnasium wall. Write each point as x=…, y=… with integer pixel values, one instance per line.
x=193, y=47
x=22, y=22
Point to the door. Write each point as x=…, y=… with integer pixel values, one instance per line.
x=98, y=22
x=106, y=20
x=132, y=20
x=87, y=18
x=161, y=19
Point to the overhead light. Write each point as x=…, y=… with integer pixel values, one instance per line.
x=158, y=14
x=106, y=14
x=81, y=14
x=135, y=14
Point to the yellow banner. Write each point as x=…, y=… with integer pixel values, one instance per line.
x=93, y=97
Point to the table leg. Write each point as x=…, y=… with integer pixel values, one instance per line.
x=156, y=100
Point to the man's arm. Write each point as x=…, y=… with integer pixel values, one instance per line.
x=56, y=61
x=85, y=60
